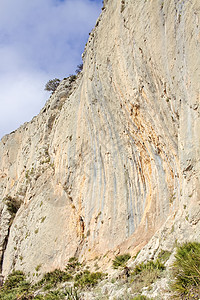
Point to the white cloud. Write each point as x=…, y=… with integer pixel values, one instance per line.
x=39, y=40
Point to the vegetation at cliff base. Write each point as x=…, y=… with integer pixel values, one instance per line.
x=77, y=281
x=121, y=260
x=73, y=265
x=144, y=274
x=56, y=284
x=186, y=271
x=87, y=279
x=51, y=279
x=15, y=286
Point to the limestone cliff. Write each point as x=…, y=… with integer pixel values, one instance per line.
x=112, y=161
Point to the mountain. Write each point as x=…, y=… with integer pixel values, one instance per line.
x=111, y=164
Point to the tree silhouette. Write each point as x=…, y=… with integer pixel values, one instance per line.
x=52, y=85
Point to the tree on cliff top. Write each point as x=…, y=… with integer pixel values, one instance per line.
x=52, y=85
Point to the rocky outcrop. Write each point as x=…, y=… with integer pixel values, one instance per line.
x=111, y=163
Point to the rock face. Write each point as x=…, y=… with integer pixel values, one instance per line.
x=112, y=161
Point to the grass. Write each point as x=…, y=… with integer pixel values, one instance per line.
x=38, y=268
x=140, y=297
x=145, y=274
x=164, y=255
x=121, y=260
x=185, y=277
x=186, y=271
x=134, y=257
x=149, y=265
x=144, y=279
x=54, y=295
x=16, y=286
x=72, y=294
x=43, y=219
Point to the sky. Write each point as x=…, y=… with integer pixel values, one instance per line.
x=39, y=40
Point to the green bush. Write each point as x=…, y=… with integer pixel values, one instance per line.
x=121, y=260
x=51, y=279
x=72, y=78
x=186, y=271
x=73, y=265
x=15, y=286
x=14, y=279
x=87, y=279
x=145, y=274
x=149, y=265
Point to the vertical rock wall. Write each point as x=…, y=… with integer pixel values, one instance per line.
x=112, y=158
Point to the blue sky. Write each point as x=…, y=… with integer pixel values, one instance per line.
x=39, y=40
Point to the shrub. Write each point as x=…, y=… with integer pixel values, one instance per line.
x=51, y=279
x=52, y=85
x=15, y=279
x=121, y=260
x=73, y=265
x=145, y=274
x=12, y=205
x=72, y=78
x=186, y=271
x=79, y=68
x=149, y=265
x=87, y=279
x=15, y=286
x=144, y=279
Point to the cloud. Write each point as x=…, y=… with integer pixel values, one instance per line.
x=39, y=40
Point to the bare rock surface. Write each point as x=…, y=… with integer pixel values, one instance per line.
x=111, y=163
